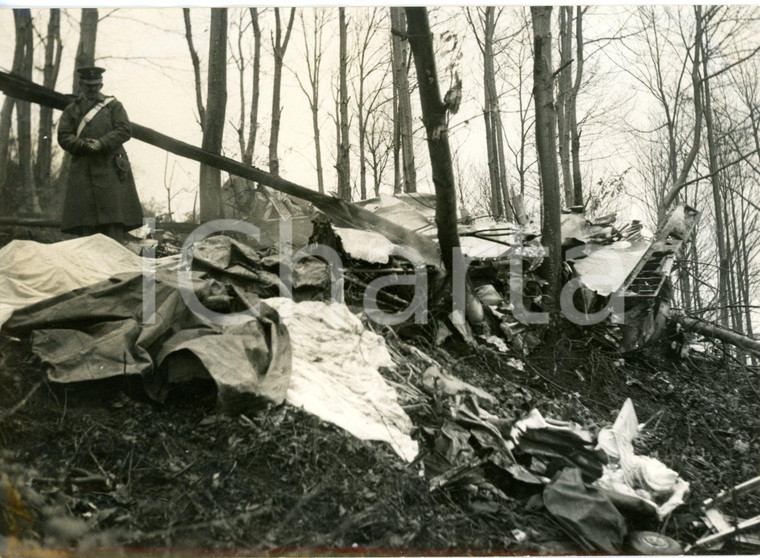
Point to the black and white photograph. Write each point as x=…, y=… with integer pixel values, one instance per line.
x=379, y=280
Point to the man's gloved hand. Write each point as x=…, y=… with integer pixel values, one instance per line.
x=93, y=145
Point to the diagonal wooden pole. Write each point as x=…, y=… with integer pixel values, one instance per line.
x=340, y=212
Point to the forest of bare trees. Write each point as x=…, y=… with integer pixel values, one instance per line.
x=400, y=269
x=614, y=109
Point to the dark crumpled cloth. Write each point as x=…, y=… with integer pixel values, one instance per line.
x=586, y=514
x=97, y=332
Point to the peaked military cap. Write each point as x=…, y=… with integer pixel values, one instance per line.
x=91, y=74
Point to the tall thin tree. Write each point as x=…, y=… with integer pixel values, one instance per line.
x=434, y=116
x=344, y=162
x=712, y=152
x=564, y=90
x=85, y=56
x=407, y=175
x=253, y=125
x=279, y=46
x=313, y=52
x=247, y=123
x=25, y=33
x=6, y=115
x=196, y=66
x=88, y=36
x=546, y=124
x=485, y=31
x=216, y=106
x=575, y=135
x=53, y=52
x=368, y=62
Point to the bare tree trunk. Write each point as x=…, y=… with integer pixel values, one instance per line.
x=344, y=160
x=362, y=156
x=247, y=137
x=563, y=96
x=680, y=182
x=254, y=113
x=365, y=102
x=744, y=277
x=239, y=58
x=720, y=231
x=521, y=166
x=279, y=46
x=313, y=55
x=575, y=136
x=318, y=151
x=313, y=64
x=24, y=29
x=88, y=35
x=487, y=17
x=716, y=332
x=397, y=186
x=506, y=190
x=362, y=110
x=497, y=208
x=735, y=272
x=401, y=75
x=360, y=116
x=501, y=196
x=216, y=106
x=196, y=67
x=696, y=268
x=53, y=50
x=168, y=187
x=434, y=118
x=546, y=123
x=6, y=116
x=377, y=144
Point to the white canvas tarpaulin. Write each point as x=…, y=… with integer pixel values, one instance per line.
x=335, y=373
x=82, y=302
x=30, y=271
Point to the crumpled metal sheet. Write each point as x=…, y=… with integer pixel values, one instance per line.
x=575, y=227
x=605, y=268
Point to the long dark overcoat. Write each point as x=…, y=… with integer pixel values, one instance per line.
x=100, y=189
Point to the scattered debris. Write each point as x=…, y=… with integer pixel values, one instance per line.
x=440, y=383
x=723, y=527
x=637, y=482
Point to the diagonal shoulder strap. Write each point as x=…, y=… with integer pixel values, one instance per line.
x=92, y=112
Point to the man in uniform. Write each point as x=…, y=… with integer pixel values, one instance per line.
x=100, y=193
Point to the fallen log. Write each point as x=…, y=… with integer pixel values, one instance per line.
x=340, y=212
x=716, y=332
